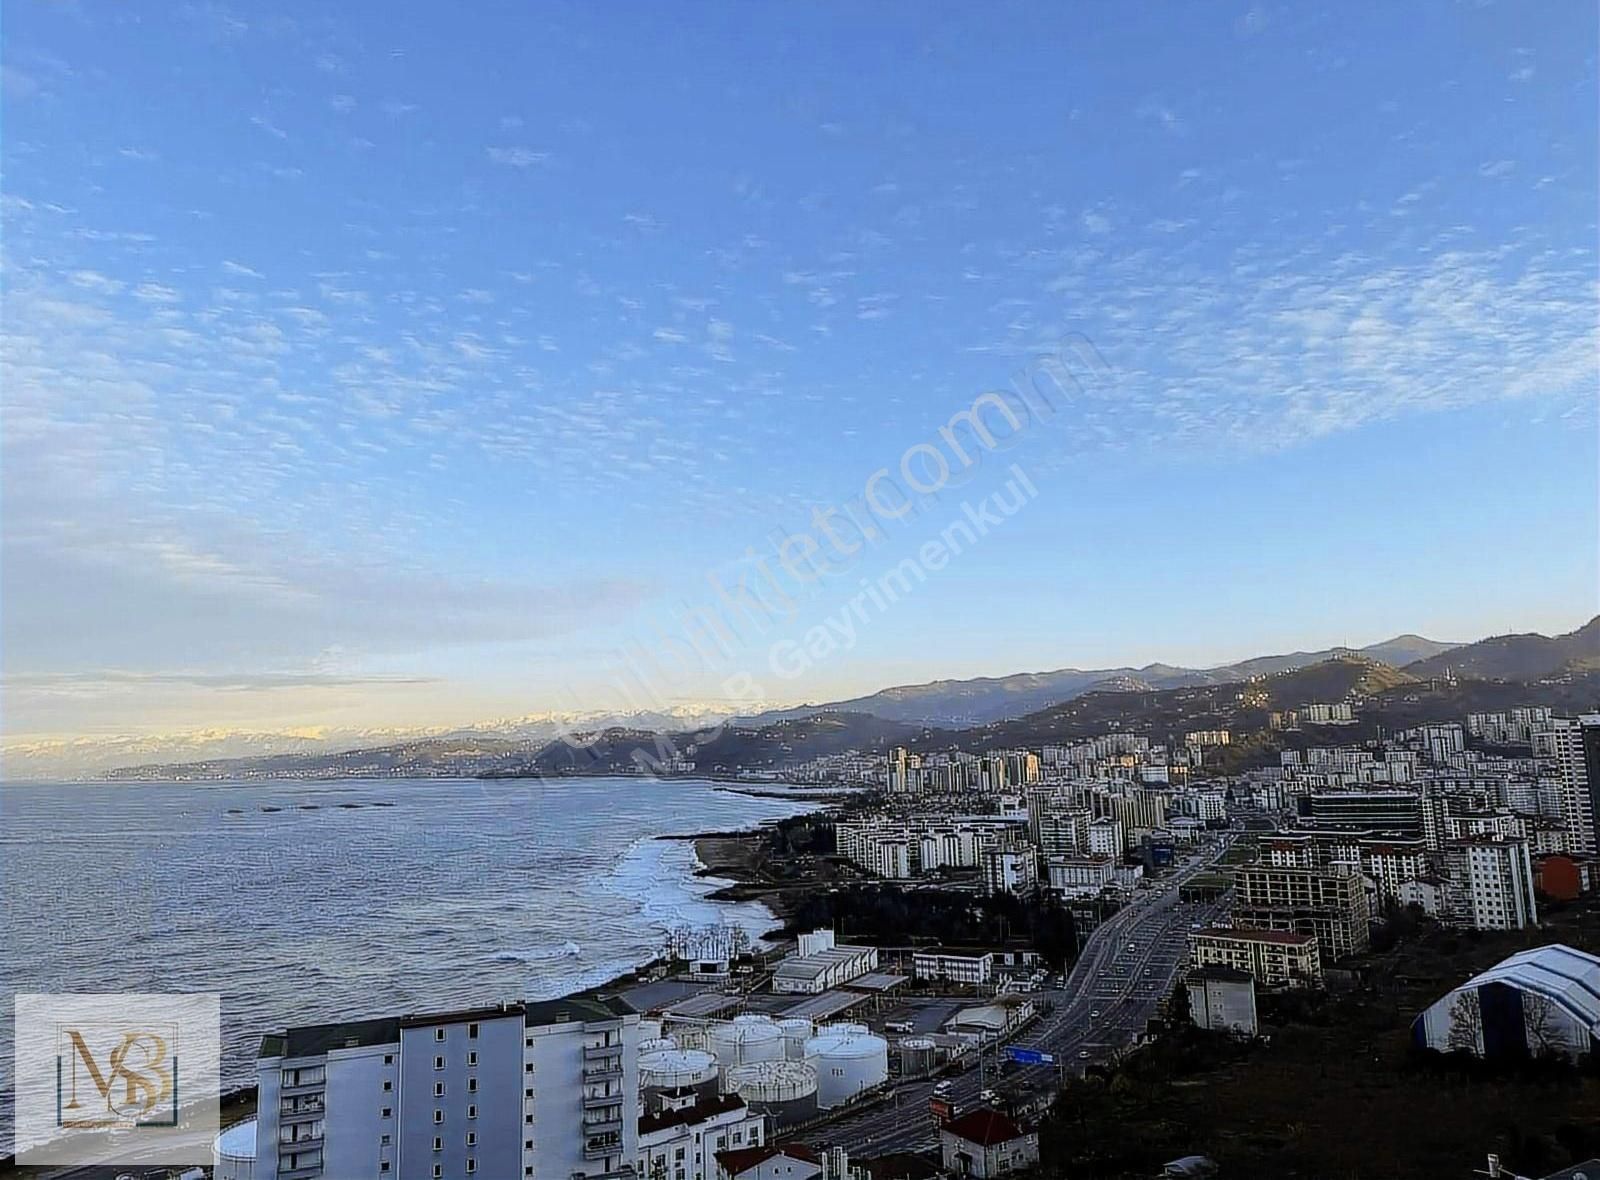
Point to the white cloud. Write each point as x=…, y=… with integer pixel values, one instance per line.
x=517, y=157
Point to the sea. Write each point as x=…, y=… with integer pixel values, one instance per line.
x=303, y=902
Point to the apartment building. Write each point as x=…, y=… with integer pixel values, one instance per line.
x=1011, y=868
x=1329, y=904
x=1107, y=837
x=1569, y=750
x=545, y=1091
x=1080, y=876
x=1273, y=958
x=681, y=1141
x=1492, y=884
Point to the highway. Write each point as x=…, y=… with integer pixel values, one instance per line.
x=1102, y=1006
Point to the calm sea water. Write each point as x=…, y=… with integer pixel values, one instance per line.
x=301, y=902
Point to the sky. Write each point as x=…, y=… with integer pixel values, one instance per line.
x=387, y=365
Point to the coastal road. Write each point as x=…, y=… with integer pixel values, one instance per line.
x=1100, y=1009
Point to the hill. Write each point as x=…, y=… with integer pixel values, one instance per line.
x=1167, y=714
x=727, y=750
x=986, y=699
x=1516, y=657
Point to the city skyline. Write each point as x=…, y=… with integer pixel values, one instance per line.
x=427, y=377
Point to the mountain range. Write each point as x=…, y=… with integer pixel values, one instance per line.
x=1406, y=680
x=959, y=703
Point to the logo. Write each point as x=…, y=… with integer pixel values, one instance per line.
x=131, y=1075
x=117, y=1078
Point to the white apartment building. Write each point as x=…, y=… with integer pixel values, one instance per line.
x=1011, y=868
x=681, y=1141
x=1080, y=876
x=1107, y=837
x=1491, y=882
x=1560, y=746
x=546, y=1091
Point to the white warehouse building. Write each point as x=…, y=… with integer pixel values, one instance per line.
x=1539, y=1001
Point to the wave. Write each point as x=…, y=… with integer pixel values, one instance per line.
x=565, y=950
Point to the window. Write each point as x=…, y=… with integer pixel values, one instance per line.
x=528, y=1041
x=472, y=1138
x=384, y=1166
x=438, y=1034
x=528, y=1118
x=472, y=1058
x=472, y=1164
x=438, y=1143
x=438, y=1115
x=438, y=1063
x=383, y=1141
x=527, y=1067
x=438, y=1171
x=472, y=1030
x=438, y=1089
x=472, y=1085
x=388, y=1086
x=388, y=1112
x=388, y=1058
x=528, y=1093
x=527, y=1145
x=472, y=1112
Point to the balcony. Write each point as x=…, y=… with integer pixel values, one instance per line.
x=600, y=1101
x=603, y=1125
x=601, y=1052
x=603, y=1071
x=301, y=1108
x=287, y=1141
x=597, y=1146
x=306, y=1087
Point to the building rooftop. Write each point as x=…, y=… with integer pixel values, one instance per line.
x=1251, y=934
x=591, y=1009
x=699, y=1112
x=985, y=1127
x=743, y=1158
x=313, y=1040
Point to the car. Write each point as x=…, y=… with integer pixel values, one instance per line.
x=989, y=1098
x=941, y=1088
x=1083, y=1054
x=1094, y=1014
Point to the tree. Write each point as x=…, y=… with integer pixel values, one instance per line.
x=1543, y=1025
x=1466, y=1024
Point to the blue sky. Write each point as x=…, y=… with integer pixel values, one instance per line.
x=393, y=364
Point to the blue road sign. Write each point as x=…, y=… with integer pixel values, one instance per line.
x=1029, y=1056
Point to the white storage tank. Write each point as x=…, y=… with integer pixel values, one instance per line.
x=847, y=1063
x=233, y=1153
x=917, y=1055
x=796, y=1030
x=844, y=1027
x=746, y=1039
x=674, y=1070
x=784, y=1091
